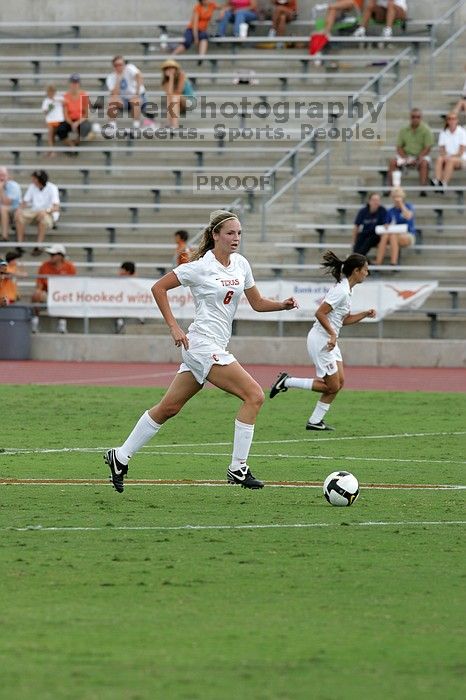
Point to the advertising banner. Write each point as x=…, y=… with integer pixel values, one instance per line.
x=123, y=297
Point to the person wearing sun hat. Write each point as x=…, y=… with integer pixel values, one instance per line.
x=177, y=87
x=56, y=265
x=217, y=276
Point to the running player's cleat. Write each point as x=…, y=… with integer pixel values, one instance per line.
x=318, y=426
x=279, y=385
x=117, y=469
x=244, y=478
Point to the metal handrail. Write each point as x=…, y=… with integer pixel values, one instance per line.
x=292, y=154
x=378, y=76
x=407, y=80
x=448, y=44
x=267, y=203
x=270, y=172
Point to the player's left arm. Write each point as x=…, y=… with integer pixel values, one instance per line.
x=355, y=318
x=260, y=303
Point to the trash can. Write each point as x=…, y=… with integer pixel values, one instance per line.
x=15, y=332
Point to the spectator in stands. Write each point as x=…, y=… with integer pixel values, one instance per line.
x=127, y=91
x=461, y=104
x=76, y=125
x=177, y=87
x=52, y=107
x=15, y=270
x=127, y=269
x=367, y=218
x=387, y=11
x=41, y=206
x=10, y=197
x=413, y=148
x=239, y=12
x=182, y=249
x=196, y=31
x=337, y=9
x=452, y=152
x=7, y=285
x=284, y=11
x=56, y=265
x=400, y=213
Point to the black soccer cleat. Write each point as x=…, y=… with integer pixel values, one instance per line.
x=318, y=426
x=117, y=469
x=279, y=385
x=244, y=478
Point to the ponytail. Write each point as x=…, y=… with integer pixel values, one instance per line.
x=336, y=267
x=332, y=264
x=207, y=243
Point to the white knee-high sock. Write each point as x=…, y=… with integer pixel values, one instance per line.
x=142, y=432
x=319, y=412
x=298, y=383
x=241, y=444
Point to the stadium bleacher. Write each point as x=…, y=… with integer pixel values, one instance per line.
x=146, y=178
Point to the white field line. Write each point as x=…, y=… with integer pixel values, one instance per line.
x=190, y=528
x=17, y=450
x=207, y=484
x=308, y=457
x=94, y=380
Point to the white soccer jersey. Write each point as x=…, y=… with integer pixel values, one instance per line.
x=216, y=292
x=339, y=298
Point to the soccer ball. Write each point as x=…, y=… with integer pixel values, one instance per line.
x=341, y=488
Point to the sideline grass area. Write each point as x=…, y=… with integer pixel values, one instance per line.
x=323, y=613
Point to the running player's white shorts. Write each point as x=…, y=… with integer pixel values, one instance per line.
x=325, y=361
x=202, y=354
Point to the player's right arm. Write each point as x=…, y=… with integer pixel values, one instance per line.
x=160, y=294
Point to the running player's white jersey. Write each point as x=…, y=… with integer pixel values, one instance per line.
x=339, y=298
x=216, y=292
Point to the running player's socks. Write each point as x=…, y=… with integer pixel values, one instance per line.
x=142, y=432
x=319, y=412
x=298, y=383
x=241, y=444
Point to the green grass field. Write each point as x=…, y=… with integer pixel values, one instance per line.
x=323, y=604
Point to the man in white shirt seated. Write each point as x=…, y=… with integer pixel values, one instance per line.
x=41, y=206
x=127, y=91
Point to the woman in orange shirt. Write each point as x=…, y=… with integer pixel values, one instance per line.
x=196, y=32
x=76, y=109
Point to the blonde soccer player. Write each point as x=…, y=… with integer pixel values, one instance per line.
x=332, y=314
x=217, y=277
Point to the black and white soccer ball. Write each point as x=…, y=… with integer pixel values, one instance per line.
x=341, y=488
